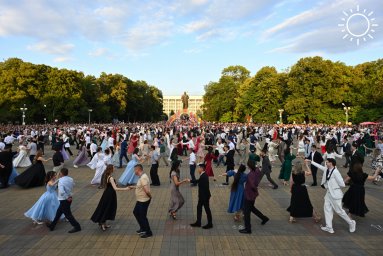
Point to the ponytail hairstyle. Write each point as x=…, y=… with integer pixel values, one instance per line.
x=175, y=167
x=237, y=177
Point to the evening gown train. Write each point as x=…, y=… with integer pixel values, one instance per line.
x=34, y=176
x=107, y=206
x=128, y=176
x=45, y=208
x=22, y=159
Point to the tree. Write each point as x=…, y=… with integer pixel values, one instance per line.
x=219, y=99
x=261, y=96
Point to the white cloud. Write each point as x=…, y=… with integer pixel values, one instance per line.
x=98, y=52
x=197, y=25
x=62, y=59
x=50, y=47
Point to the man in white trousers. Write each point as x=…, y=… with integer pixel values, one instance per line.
x=332, y=181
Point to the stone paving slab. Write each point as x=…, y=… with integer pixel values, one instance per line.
x=18, y=236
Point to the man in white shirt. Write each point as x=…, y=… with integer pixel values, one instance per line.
x=111, y=144
x=8, y=140
x=93, y=148
x=332, y=181
x=65, y=187
x=192, y=166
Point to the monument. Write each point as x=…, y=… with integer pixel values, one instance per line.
x=185, y=101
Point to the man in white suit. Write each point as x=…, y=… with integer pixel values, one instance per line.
x=332, y=181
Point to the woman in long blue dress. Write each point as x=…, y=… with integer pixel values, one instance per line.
x=45, y=208
x=128, y=176
x=237, y=191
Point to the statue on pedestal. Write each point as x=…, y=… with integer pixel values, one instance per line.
x=185, y=101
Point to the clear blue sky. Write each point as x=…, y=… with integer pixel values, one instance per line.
x=183, y=45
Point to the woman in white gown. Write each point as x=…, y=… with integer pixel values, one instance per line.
x=301, y=145
x=103, y=160
x=272, y=146
x=22, y=160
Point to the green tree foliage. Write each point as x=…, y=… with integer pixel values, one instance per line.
x=219, y=99
x=312, y=90
x=262, y=95
x=67, y=95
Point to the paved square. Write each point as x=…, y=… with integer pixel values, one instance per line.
x=18, y=236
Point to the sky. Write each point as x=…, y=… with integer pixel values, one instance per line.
x=183, y=45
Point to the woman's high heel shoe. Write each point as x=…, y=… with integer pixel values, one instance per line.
x=103, y=228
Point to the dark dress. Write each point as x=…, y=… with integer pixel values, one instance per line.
x=34, y=176
x=353, y=199
x=107, y=207
x=300, y=204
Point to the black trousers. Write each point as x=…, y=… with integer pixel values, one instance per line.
x=314, y=174
x=122, y=155
x=40, y=146
x=64, y=208
x=206, y=205
x=348, y=161
x=154, y=175
x=111, y=149
x=4, y=176
x=248, y=207
x=192, y=173
x=69, y=151
x=140, y=212
x=269, y=179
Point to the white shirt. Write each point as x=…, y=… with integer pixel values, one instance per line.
x=192, y=159
x=87, y=140
x=9, y=139
x=231, y=146
x=93, y=148
x=110, y=142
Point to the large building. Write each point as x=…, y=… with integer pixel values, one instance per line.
x=175, y=103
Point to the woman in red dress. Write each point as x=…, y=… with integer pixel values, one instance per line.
x=210, y=156
x=132, y=144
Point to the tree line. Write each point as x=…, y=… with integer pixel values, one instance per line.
x=65, y=95
x=313, y=90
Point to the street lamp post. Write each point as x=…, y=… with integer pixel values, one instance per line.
x=280, y=115
x=90, y=110
x=45, y=114
x=346, y=110
x=23, y=116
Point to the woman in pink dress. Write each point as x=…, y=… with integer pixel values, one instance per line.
x=132, y=144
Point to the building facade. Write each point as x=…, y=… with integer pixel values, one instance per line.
x=175, y=103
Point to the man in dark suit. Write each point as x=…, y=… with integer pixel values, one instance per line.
x=316, y=157
x=123, y=152
x=356, y=156
x=266, y=168
x=347, y=151
x=5, y=166
x=203, y=198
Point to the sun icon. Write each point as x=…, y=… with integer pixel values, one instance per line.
x=358, y=25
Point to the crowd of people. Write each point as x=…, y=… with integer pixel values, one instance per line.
x=247, y=151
